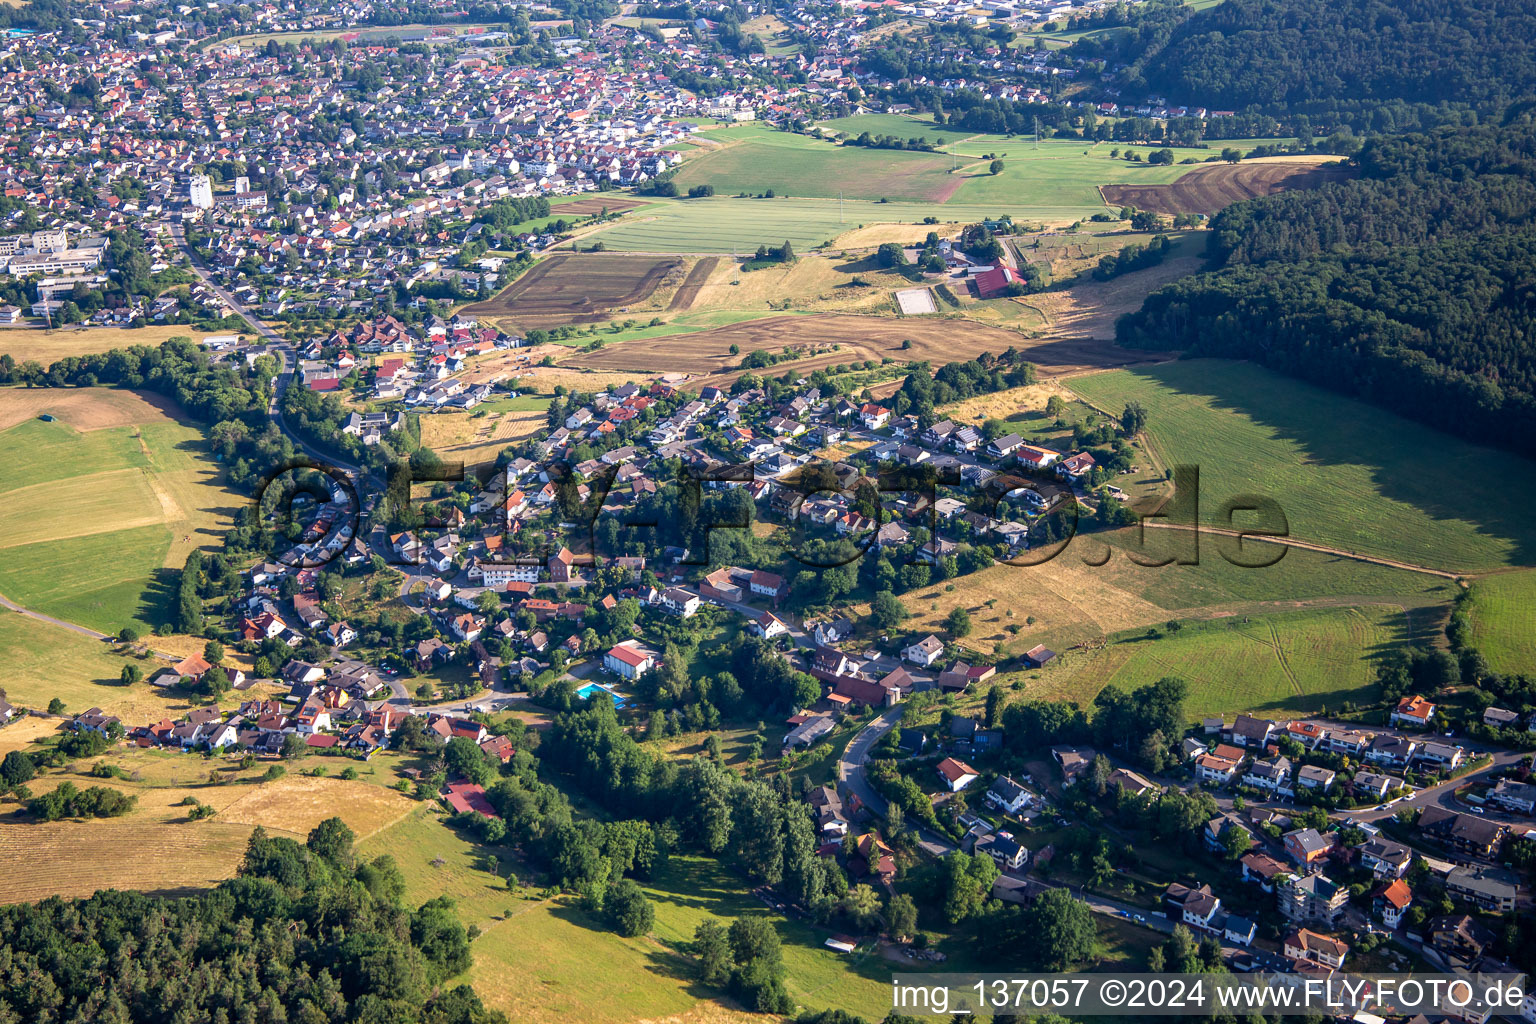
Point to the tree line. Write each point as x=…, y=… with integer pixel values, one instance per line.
x=1407, y=287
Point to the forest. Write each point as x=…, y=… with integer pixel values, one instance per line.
x=1409, y=286
x=305, y=932
x=1339, y=56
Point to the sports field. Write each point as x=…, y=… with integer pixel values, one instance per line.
x=1347, y=475
x=1503, y=612
x=94, y=510
x=1277, y=664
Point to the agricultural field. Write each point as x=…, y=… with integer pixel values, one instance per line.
x=799, y=165
x=1347, y=475
x=588, y=205
x=1278, y=664
x=568, y=288
x=1501, y=610
x=730, y=225
x=827, y=340
x=69, y=858
x=1065, y=172
x=95, y=508
x=899, y=125
x=25, y=344
x=1210, y=188
x=295, y=804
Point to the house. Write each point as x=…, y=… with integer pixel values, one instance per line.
x=1311, y=898
x=1308, y=734
x=1390, y=900
x=630, y=659
x=1009, y=854
x=1517, y=797
x=466, y=797
x=1263, y=869
x=1444, y=756
x=1193, y=906
x=1490, y=889
x=1073, y=761
x=1004, y=446
x=95, y=721
x=957, y=774
x=1239, y=930
x=1075, y=467
x=339, y=634
x=925, y=652
x=1374, y=784
x=768, y=626
x=1272, y=775
x=1007, y=795
x=1214, y=769
x=682, y=603
x=1306, y=846
x=1413, y=713
x=769, y=585
x=1310, y=776
x=1304, y=944
x=6, y=711
x=1131, y=782
x=874, y=416
x=1465, y=833
x=1393, y=751
x=1499, y=718
x=1384, y=858
x=431, y=652
x=1250, y=732
x=1459, y=935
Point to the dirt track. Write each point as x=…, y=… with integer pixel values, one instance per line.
x=689, y=292
x=1211, y=188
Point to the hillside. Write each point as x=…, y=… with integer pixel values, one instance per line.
x=1341, y=55
x=1408, y=287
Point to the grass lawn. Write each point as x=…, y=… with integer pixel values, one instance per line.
x=1292, y=663
x=1347, y=475
x=1500, y=607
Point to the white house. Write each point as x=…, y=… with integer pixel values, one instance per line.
x=956, y=774
x=925, y=652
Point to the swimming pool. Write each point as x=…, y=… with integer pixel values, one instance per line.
x=585, y=693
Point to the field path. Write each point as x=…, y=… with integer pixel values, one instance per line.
x=1292, y=542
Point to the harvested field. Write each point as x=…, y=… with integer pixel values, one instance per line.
x=572, y=288
x=1089, y=310
x=47, y=347
x=689, y=292
x=24, y=731
x=828, y=339
x=296, y=804
x=86, y=409
x=588, y=207
x=458, y=436
x=77, y=858
x=1213, y=187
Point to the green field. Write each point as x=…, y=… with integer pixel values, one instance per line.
x=730, y=225
x=1290, y=663
x=91, y=521
x=1053, y=174
x=1503, y=612
x=1347, y=475
x=799, y=165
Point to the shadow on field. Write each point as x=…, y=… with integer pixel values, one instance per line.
x=1443, y=477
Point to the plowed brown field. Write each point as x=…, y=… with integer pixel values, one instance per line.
x=1211, y=188
x=581, y=288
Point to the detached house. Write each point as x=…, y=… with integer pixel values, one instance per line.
x=1413, y=713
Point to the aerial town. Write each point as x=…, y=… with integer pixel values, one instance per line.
x=763, y=501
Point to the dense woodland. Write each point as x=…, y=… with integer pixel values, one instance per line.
x=1343, y=57
x=306, y=932
x=1409, y=286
